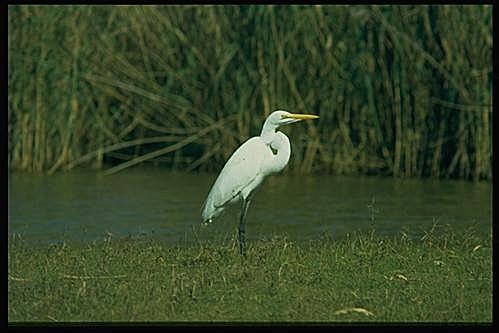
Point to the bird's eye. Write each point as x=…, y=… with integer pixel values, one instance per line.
x=283, y=116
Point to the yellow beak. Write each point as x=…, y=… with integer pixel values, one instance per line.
x=301, y=116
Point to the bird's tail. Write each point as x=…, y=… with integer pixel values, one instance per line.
x=209, y=212
x=206, y=222
x=206, y=213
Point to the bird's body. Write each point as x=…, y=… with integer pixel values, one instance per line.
x=248, y=166
x=245, y=171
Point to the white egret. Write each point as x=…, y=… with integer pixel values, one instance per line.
x=248, y=166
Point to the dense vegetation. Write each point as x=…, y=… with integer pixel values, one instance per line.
x=401, y=90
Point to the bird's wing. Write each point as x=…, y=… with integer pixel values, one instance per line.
x=240, y=170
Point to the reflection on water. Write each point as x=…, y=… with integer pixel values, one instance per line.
x=85, y=206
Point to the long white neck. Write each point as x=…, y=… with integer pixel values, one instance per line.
x=268, y=131
x=279, y=142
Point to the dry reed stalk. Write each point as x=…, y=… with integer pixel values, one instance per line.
x=165, y=150
x=397, y=79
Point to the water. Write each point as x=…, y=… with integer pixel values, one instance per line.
x=86, y=206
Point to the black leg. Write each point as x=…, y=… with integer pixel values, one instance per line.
x=242, y=227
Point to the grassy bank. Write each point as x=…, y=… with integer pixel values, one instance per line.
x=401, y=90
x=362, y=277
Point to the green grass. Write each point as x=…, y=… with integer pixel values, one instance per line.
x=439, y=278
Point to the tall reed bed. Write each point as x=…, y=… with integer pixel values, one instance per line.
x=401, y=90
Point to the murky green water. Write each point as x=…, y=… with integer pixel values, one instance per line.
x=86, y=206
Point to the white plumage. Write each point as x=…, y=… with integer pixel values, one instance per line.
x=244, y=171
x=248, y=166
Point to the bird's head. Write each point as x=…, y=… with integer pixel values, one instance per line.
x=281, y=117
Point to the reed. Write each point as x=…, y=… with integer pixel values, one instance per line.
x=401, y=90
